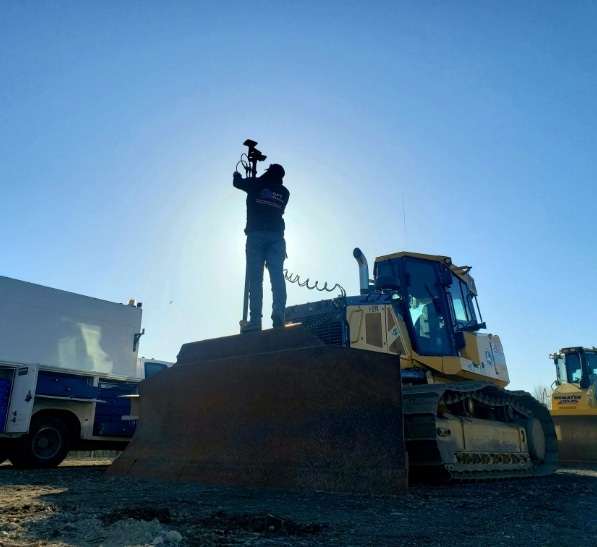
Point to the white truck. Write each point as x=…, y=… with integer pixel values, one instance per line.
x=69, y=371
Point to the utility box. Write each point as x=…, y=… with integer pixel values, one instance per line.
x=61, y=329
x=69, y=372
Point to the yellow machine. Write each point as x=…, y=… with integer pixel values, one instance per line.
x=459, y=421
x=574, y=403
x=430, y=320
x=446, y=406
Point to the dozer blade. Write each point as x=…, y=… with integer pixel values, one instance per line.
x=577, y=438
x=275, y=409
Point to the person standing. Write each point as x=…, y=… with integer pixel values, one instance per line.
x=267, y=198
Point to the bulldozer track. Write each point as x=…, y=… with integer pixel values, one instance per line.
x=423, y=407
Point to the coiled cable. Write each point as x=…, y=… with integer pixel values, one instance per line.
x=294, y=278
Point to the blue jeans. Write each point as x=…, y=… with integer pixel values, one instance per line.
x=265, y=248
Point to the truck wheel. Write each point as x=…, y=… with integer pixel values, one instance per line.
x=45, y=446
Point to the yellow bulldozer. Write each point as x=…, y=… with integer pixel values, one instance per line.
x=356, y=393
x=574, y=403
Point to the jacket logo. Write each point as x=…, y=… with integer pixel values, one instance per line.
x=267, y=197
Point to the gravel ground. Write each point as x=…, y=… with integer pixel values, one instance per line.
x=77, y=505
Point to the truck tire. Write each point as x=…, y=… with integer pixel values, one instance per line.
x=45, y=446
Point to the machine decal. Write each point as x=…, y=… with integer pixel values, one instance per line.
x=497, y=347
x=394, y=333
x=567, y=399
x=498, y=357
x=489, y=357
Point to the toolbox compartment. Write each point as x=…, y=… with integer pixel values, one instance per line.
x=113, y=404
x=65, y=385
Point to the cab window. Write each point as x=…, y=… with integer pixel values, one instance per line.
x=426, y=310
x=573, y=368
x=462, y=304
x=592, y=362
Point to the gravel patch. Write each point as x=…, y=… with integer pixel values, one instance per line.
x=78, y=505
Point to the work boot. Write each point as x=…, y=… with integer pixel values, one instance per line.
x=278, y=319
x=251, y=326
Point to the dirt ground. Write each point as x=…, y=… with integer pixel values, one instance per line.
x=77, y=505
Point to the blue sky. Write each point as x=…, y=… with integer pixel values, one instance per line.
x=464, y=129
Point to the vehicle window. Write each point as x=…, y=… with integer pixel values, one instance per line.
x=561, y=373
x=426, y=313
x=152, y=368
x=462, y=303
x=592, y=361
x=573, y=367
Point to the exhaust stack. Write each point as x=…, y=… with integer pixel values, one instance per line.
x=363, y=270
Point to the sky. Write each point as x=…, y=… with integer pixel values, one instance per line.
x=457, y=128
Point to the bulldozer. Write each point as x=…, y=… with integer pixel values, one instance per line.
x=574, y=403
x=459, y=421
x=357, y=393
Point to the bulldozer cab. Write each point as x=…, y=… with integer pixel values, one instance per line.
x=419, y=307
x=576, y=366
x=439, y=300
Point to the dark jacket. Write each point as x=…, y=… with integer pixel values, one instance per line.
x=267, y=198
